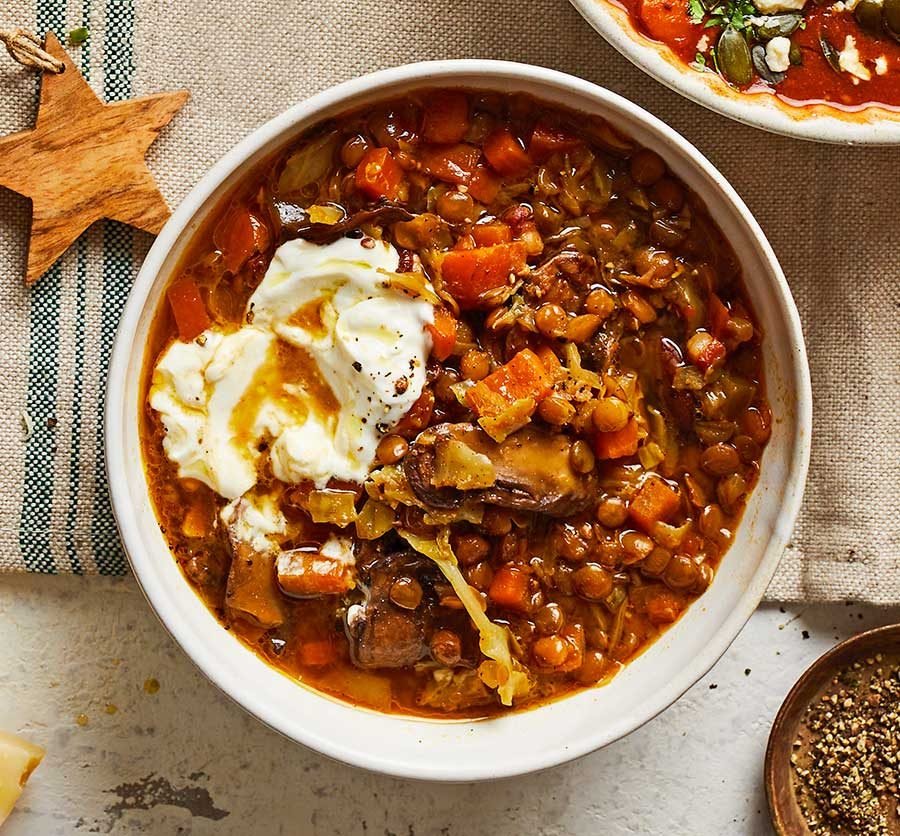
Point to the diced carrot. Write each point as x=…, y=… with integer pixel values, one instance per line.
x=317, y=654
x=509, y=588
x=483, y=185
x=188, y=308
x=452, y=164
x=443, y=334
x=467, y=274
x=663, y=606
x=378, y=175
x=618, y=443
x=418, y=416
x=240, y=235
x=505, y=153
x=486, y=235
x=548, y=358
x=668, y=21
x=311, y=574
x=718, y=315
x=656, y=501
x=446, y=117
x=547, y=139
x=522, y=377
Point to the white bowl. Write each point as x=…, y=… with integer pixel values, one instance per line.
x=524, y=741
x=820, y=122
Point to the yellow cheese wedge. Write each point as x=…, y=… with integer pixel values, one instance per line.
x=18, y=759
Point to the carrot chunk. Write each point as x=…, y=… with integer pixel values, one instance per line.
x=656, y=501
x=240, y=235
x=317, y=654
x=460, y=164
x=378, y=175
x=311, y=574
x=618, y=443
x=547, y=139
x=664, y=606
x=452, y=164
x=188, y=309
x=446, y=118
x=521, y=378
x=483, y=185
x=443, y=334
x=509, y=588
x=467, y=274
x=486, y=235
x=505, y=153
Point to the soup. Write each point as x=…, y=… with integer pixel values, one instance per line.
x=453, y=406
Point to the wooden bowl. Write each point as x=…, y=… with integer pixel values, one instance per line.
x=787, y=818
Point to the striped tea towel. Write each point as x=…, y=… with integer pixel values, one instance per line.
x=830, y=214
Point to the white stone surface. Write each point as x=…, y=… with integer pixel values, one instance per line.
x=187, y=761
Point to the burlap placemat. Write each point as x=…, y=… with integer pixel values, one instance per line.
x=829, y=212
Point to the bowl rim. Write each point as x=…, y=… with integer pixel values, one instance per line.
x=444, y=72
x=870, y=125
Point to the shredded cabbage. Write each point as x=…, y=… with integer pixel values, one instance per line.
x=389, y=485
x=459, y=466
x=374, y=520
x=573, y=363
x=494, y=641
x=412, y=284
x=512, y=418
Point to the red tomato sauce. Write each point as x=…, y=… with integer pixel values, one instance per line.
x=817, y=81
x=668, y=22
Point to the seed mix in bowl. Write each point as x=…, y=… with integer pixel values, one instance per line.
x=845, y=755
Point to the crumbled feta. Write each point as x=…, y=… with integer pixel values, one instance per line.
x=881, y=65
x=778, y=54
x=768, y=7
x=849, y=60
x=703, y=44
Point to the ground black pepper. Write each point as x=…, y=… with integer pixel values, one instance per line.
x=846, y=755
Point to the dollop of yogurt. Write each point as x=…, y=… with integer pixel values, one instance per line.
x=330, y=357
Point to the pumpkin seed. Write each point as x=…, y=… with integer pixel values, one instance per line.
x=832, y=56
x=734, y=57
x=891, y=17
x=795, y=56
x=758, y=55
x=868, y=16
x=776, y=26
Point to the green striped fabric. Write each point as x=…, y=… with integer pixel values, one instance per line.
x=245, y=63
x=69, y=526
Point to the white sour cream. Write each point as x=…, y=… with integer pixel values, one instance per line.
x=256, y=521
x=330, y=359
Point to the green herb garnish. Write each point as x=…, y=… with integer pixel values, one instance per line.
x=736, y=13
x=78, y=36
x=696, y=11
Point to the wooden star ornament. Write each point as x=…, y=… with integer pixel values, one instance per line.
x=84, y=161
